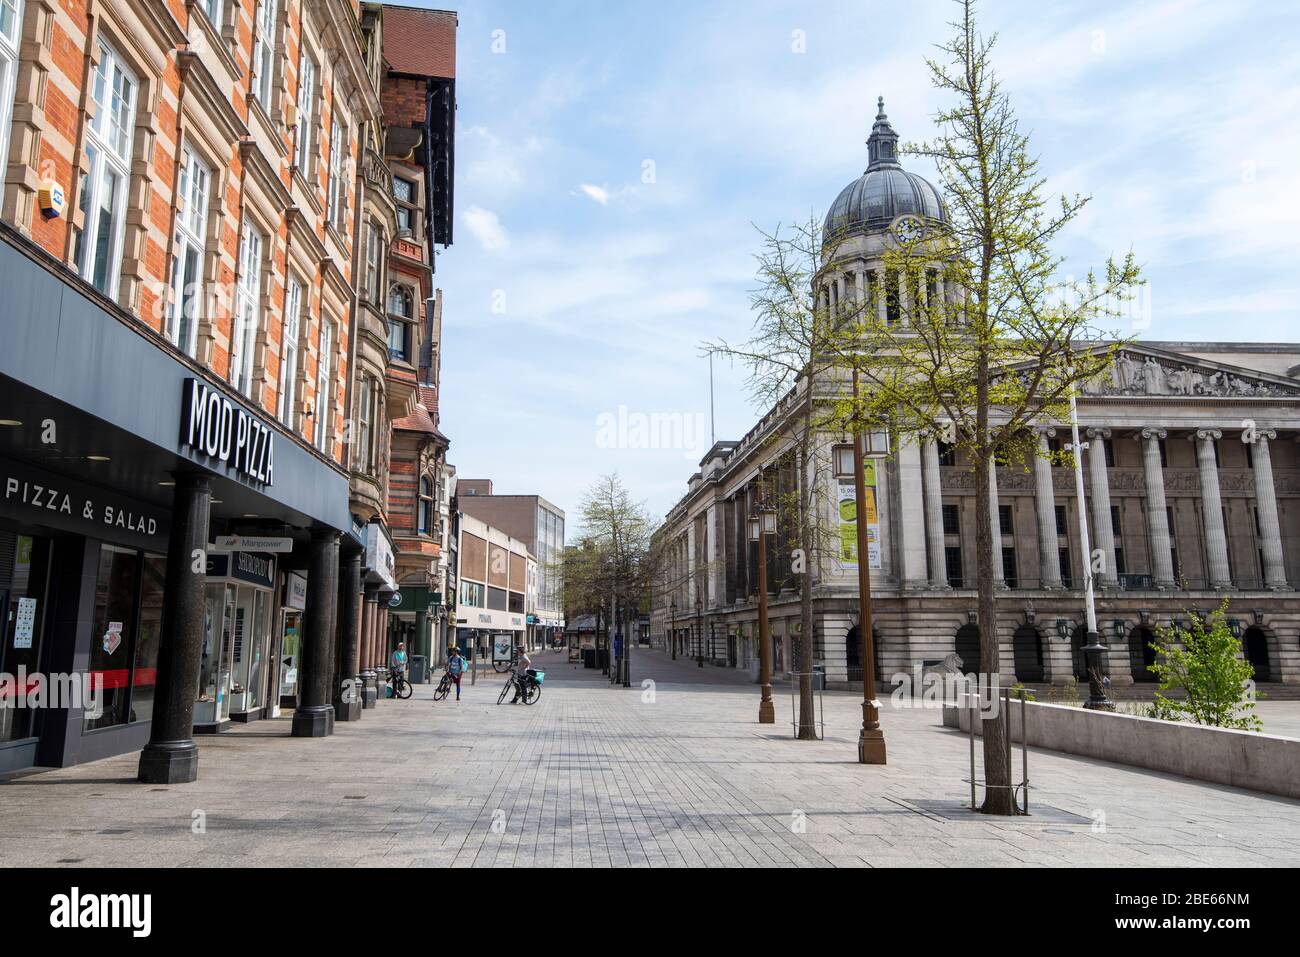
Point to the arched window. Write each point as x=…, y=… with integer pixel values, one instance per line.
x=400, y=302
x=426, y=506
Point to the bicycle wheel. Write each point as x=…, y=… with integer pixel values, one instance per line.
x=532, y=691
x=505, y=689
x=403, y=688
x=501, y=667
x=443, y=689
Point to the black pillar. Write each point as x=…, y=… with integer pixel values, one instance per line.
x=347, y=691
x=314, y=717
x=171, y=756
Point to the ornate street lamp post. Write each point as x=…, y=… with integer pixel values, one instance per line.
x=699, y=631
x=848, y=462
x=1094, y=649
x=760, y=527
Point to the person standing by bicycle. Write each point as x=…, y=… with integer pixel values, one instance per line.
x=519, y=670
x=397, y=663
x=456, y=665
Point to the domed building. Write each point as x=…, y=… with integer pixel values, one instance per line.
x=1192, y=494
x=882, y=194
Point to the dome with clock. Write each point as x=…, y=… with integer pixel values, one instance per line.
x=884, y=192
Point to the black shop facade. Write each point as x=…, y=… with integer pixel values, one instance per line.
x=114, y=449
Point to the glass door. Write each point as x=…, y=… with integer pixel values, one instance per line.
x=241, y=649
x=257, y=651
x=23, y=603
x=214, y=669
x=290, y=647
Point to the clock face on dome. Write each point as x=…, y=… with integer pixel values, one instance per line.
x=908, y=229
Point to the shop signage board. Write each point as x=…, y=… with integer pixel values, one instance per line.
x=219, y=429
x=295, y=592
x=254, y=568
x=33, y=495
x=254, y=543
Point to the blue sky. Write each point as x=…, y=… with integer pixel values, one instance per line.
x=613, y=160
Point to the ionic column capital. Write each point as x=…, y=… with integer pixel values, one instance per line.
x=1265, y=434
x=1154, y=434
x=1212, y=435
x=1098, y=433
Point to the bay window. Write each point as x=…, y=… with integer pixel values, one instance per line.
x=365, y=419
x=97, y=246
x=247, y=311
x=404, y=195
x=186, y=305
x=374, y=244
x=401, y=312
x=426, y=506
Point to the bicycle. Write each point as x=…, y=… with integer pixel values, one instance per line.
x=501, y=667
x=444, y=687
x=399, y=686
x=528, y=687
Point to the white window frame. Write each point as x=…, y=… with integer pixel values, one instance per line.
x=263, y=63
x=247, y=309
x=374, y=243
x=323, y=403
x=185, y=309
x=212, y=10
x=9, y=43
x=365, y=408
x=289, y=351
x=337, y=205
x=306, y=111
x=105, y=158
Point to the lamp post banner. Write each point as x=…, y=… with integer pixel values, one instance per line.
x=847, y=508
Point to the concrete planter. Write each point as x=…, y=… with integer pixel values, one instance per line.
x=1243, y=759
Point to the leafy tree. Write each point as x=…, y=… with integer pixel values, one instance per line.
x=616, y=563
x=796, y=344
x=1205, y=663
x=986, y=341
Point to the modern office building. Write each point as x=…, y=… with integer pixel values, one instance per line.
x=492, y=582
x=540, y=526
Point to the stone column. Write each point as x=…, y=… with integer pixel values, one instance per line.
x=347, y=693
x=1049, y=547
x=1103, y=530
x=171, y=756
x=314, y=716
x=910, y=525
x=1270, y=528
x=882, y=296
x=1162, y=559
x=999, y=572
x=933, y=513
x=1216, y=537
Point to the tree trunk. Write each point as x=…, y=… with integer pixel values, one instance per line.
x=998, y=798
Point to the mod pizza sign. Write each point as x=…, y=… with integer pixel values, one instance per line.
x=214, y=426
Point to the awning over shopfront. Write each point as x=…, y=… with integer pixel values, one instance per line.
x=100, y=397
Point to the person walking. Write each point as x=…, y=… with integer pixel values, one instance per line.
x=519, y=670
x=456, y=665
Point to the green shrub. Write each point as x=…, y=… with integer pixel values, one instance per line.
x=1205, y=662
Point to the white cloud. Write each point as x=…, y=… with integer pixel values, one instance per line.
x=595, y=192
x=484, y=226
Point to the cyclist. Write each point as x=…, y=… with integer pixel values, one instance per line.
x=519, y=669
x=456, y=664
x=397, y=663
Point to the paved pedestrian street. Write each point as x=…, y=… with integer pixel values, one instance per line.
x=677, y=774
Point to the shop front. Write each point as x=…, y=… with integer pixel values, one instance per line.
x=123, y=469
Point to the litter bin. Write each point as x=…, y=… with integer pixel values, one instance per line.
x=588, y=657
x=819, y=677
x=419, y=665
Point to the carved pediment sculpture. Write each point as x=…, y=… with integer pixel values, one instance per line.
x=1132, y=374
